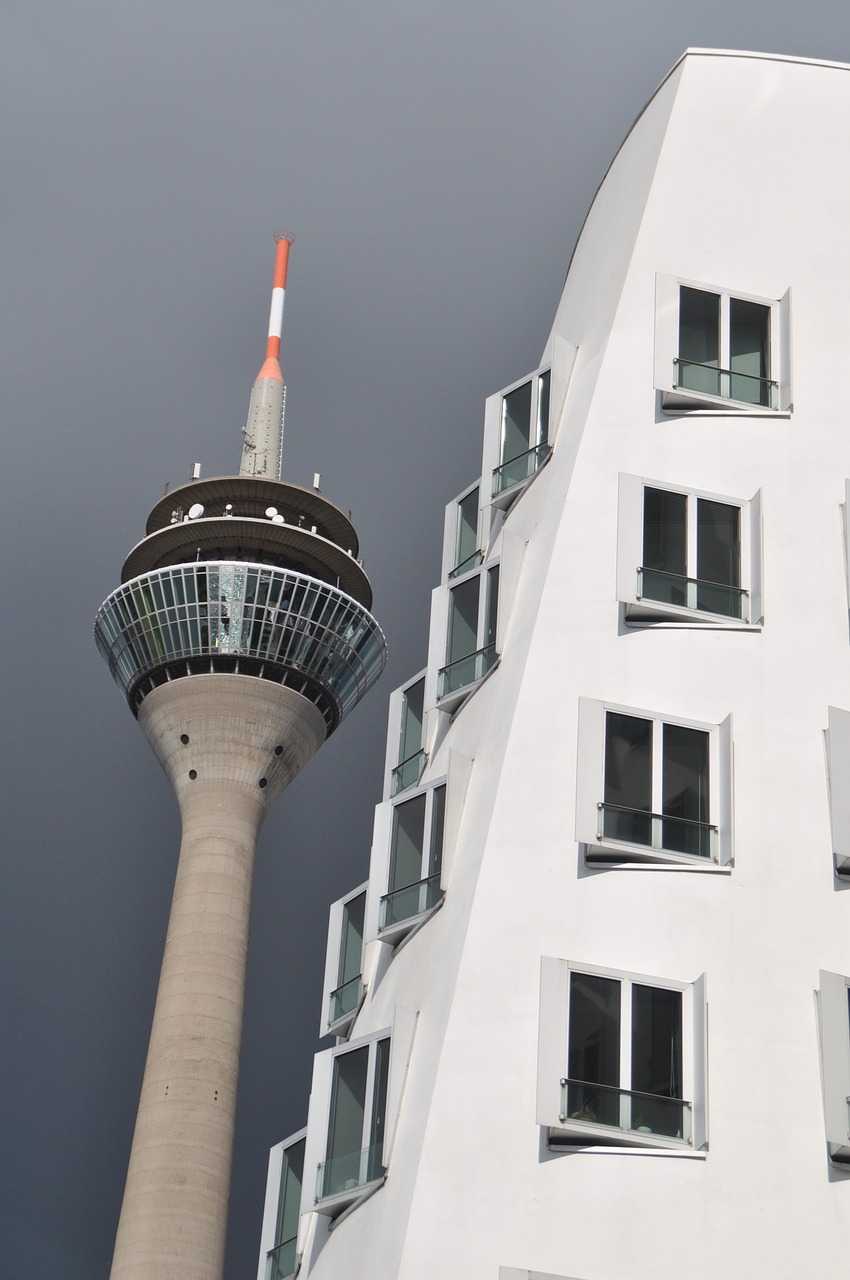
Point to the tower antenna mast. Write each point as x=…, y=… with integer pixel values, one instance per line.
x=262, y=447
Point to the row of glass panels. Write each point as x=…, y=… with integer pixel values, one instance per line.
x=254, y=611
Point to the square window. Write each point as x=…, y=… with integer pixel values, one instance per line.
x=651, y=788
x=524, y=435
x=686, y=556
x=621, y=1058
x=714, y=347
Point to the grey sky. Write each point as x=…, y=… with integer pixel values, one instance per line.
x=435, y=161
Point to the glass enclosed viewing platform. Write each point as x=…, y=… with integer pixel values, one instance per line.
x=250, y=619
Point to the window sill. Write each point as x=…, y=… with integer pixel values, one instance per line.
x=585, y=1133
x=508, y=496
x=614, y=854
x=342, y=1201
x=679, y=403
x=644, y=613
x=451, y=702
x=397, y=933
x=560, y=1142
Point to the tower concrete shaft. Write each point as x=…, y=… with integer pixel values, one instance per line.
x=229, y=746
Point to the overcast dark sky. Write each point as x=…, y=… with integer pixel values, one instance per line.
x=435, y=161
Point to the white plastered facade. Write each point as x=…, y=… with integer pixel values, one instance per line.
x=731, y=178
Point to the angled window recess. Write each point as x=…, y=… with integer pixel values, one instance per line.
x=524, y=436
x=473, y=609
x=411, y=755
x=282, y=1258
x=687, y=556
x=721, y=350
x=416, y=863
x=467, y=552
x=354, y=1103
x=621, y=1058
x=653, y=789
x=838, y=765
x=834, y=1025
x=344, y=962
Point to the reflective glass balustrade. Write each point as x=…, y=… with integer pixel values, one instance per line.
x=344, y=999
x=693, y=593
x=465, y=671
x=349, y=1172
x=707, y=379
x=520, y=468
x=409, y=901
x=280, y=620
x=281, y=1262
x=465, y=566
x=656, y=831
x=407, y=773
x=625, y=1110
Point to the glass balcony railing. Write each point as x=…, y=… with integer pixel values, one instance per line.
x=409, y=901
x=464, y=671
x=344, y=999
x=349, y=1172
x=625, y=1110
x=229, y=615
x=660, y=832
x=520, y=468
x=408, y=773
x=281, y=1261
x=471, y=562
x=693, y=593
x=727, y=384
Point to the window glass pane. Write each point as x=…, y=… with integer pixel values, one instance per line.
x=412, y=707
x=665, y=546
x=685, y=789
x=656, y=1058
x=408, y=838
x=543, y=406
x=467, y=528
x=463, y=619
x=492, y=605
x=718, y=543
x=628, y=778
x=594, y=1048
x=351, y=943
x=438, y=821
x=379, y=1110
x=516, y=423
x=699, y=326
x=348, y=1106
x=289, y=1205
x=749, y=350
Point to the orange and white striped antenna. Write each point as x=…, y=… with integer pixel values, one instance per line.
x=262, y=446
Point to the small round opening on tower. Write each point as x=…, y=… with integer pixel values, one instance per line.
x=278, y=750
x=264, y=782
x=193, y=773
x=184, y=738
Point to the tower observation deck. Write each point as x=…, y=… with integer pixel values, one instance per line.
x=240, y=636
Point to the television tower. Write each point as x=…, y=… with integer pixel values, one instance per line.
x=240, y=637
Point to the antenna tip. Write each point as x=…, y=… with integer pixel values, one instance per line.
x=284, y=235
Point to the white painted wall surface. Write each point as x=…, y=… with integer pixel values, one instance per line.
x=732, y=176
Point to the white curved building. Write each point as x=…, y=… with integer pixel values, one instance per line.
x=597, y=1028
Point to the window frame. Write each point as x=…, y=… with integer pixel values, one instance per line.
x=400, y=1035
x=590, y=791
x=485, y=656
x=833, y=1007
x=675, y=398
x=269, y=1243
x=640, y=610
x=341, y=1026
x=553, y=1057
x=394, y=931
x=502, y=495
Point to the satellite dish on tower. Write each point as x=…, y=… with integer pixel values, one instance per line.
x=196, y=509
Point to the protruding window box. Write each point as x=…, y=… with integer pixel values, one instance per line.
x=408, y=773
x=344, y=985
x=456, y=678
x=516, y=471
x=658, y=833
x=403, y=908
x=343, y=1179
x=625, y=1113
x=283, y=1209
